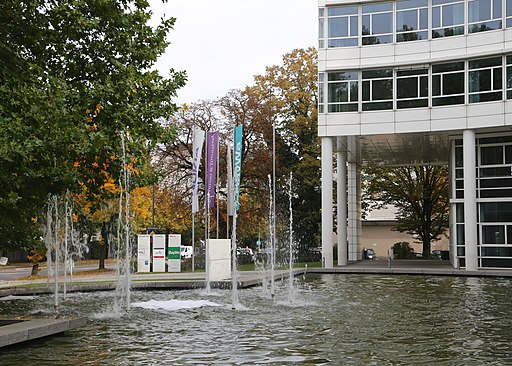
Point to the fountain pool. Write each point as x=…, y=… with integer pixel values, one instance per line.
x=334, y=319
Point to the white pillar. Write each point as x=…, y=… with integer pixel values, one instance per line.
x=341, y=159
x=470, y=222
x=327, y=207
x=353, y=230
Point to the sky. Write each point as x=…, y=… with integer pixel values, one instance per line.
x=222, y=44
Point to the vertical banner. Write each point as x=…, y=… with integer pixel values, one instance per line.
x=211, y=165
x=196, y=156
x=229, y=183
x=238, y=164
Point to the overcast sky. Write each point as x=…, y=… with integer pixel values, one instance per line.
x=222, y=44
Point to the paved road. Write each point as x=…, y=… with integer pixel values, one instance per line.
x=14, y=271
x=11, y=273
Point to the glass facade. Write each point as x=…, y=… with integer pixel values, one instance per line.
x=494, y=201
x=457, y=82
x=408, y=20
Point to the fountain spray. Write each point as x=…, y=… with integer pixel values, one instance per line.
x=123, y=236
x=271, y=229
x=291, y=290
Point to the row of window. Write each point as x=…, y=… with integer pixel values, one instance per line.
x=408, y=20
x=434, y=85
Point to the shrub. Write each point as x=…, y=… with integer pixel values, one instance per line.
x=403, y=250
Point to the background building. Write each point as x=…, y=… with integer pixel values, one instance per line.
x=420, y=82
x=378, y=234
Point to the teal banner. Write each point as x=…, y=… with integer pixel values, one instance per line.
x=238, y=164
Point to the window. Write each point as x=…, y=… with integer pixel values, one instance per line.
x=509, y=77
x=447, y=18
x=496, y=212
x=343, y=91
x=377, y=89
x=495, y=171
x=321, y=97
x=484, y=15
x=377, y=23
x=485, y=80
x=342, y=26
x=458, y=162
x=491, y=155
x=412, y=88
x=448, y=84
x=411, y=20
x=493, y=234
x=321, y=28
x=509, y=13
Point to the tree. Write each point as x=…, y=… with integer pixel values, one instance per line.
x=73, y=75
x=419, y=192
x=293, y=106
x=285, y=96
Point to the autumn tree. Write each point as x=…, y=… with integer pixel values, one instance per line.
x=290, y=91
x=420, y=194
x=285, y=97
x=173, y=162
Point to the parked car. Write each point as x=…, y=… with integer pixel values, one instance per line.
x=244, y=251
x=186, y=251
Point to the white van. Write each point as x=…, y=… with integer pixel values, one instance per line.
x=186, y=251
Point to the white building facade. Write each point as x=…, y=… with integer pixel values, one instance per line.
x=419, y=82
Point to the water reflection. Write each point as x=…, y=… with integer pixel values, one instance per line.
x=336, y=319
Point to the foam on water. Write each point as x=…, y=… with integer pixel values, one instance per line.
x=16, y=297
x=173, y=305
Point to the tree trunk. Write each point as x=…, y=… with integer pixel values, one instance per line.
x=102, y=256
x=35, y=269
x=103, y=244
x=426, y=247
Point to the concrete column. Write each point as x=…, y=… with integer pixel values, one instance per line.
x=354, y=252
x=341, y=159
x=359, y=221
x=470, y=210
x=327, y=203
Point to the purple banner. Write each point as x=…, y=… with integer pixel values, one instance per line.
x=211, y=165
x=198, y=149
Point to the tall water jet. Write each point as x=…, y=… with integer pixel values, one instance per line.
x=272, y=238
x=123, y=256
x=74, y=246
x=52, y=248
x=291, y=287
x=63, y=245
x=234, y=271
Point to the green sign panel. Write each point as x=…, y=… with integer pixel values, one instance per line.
x=173, y=253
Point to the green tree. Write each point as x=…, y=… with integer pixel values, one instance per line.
x=420, y=194
x=73, y=75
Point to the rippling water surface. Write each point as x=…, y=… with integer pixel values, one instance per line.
x=335, y=319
